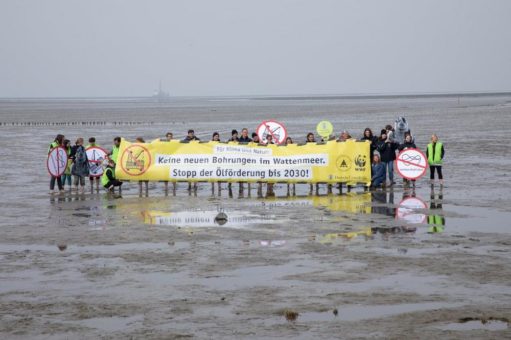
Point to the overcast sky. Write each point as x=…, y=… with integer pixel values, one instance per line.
x=65, y=48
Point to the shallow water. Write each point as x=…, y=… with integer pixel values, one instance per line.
x=162, y=264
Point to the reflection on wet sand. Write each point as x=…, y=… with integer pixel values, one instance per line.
x=364, y=232
x=216, y=215
x=436, y=220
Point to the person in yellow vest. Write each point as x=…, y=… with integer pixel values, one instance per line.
x=66, y=177
x=114, y=154
x=108, y=180
x=435, y=153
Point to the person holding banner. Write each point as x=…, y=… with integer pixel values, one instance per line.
x=368, y=136
x=67, y=173
x=435, y=153
x=58, y=141
x=191, y=136
x=80, y=168
x=407, y=144
x=234, y=136
x=345, y=136
x=269, y=139
x=114, y=154
x=108, y=180
x=387, y=149
x=255, y=138
x=215, y=137
x=92, y=143
x=244, y=136
x=310, y=138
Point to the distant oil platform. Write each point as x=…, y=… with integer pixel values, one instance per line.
x=160, y=95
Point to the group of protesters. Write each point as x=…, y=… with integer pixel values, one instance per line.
x=383, y=150
x=78, y=166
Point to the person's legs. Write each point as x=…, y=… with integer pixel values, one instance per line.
x=116, y=183
x=391, y=171
x=385, y=166
x=111, y=184
x=75, y=181
x=82, y=183
x=432, y=172
x=439, y=172
x=59, y=183
x=66, y=179
x=377, y=182
x=52, y=183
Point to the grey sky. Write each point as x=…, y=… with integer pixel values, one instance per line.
x=124, y=47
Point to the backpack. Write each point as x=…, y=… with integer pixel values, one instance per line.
x=80, y=156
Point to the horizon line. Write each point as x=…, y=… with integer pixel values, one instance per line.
x=287, y=96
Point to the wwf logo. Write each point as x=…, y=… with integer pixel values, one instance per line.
x=360, y=161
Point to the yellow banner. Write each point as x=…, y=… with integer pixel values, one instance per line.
x=331, y=162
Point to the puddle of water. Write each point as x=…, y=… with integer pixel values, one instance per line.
x=97, y=249
x=207, y=218
x=111, y=324
x=491, y=325
x=478, y=220
x=359, y=312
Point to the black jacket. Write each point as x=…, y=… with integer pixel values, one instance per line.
x=244, y=140
x=406, y=145
x=374, y=141
x=387, y=150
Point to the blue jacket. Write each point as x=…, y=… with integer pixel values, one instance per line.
x=377, y=171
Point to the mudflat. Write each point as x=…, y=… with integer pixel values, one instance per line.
x=420, y=262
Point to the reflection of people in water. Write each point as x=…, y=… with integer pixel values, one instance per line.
x=383, y=204
x=436, y=220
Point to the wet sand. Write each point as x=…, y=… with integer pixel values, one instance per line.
x=356, y=265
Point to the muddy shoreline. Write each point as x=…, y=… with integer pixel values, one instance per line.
x=356, y=265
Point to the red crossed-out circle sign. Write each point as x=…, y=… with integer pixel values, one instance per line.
x=407, y=210
x=273, y=128
x=57, y=161
x=96, y=156
x=411, y=163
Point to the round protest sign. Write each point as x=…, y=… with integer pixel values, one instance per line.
x=96, y=156
x=411, y=163
x=325, y=129
x=57, y=161
x=135, y=160
x=274, y=129
x=407, y=210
